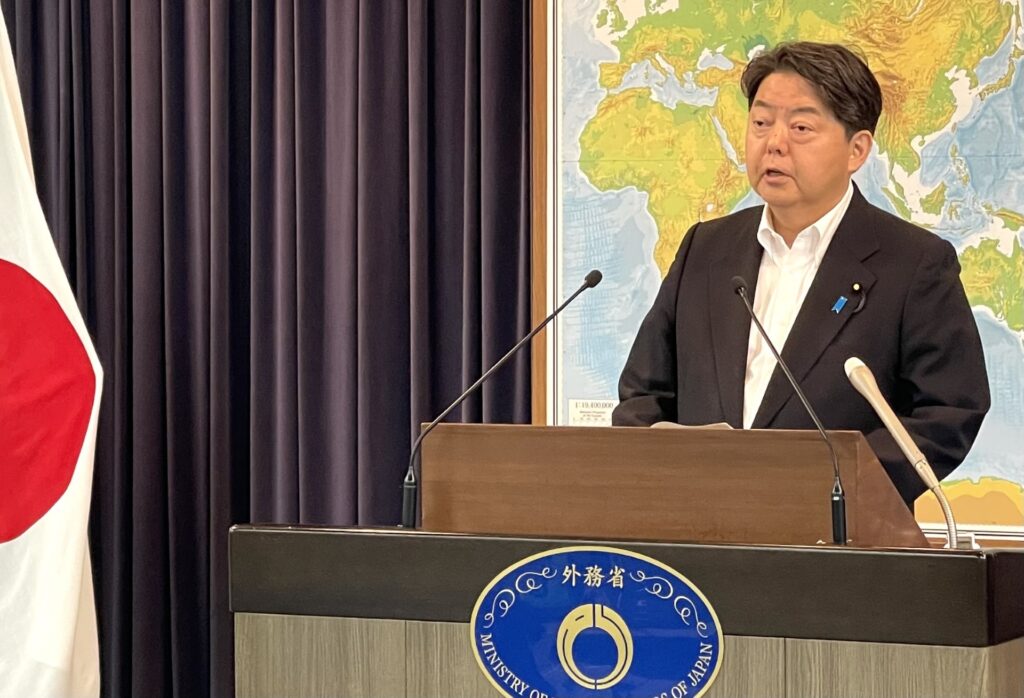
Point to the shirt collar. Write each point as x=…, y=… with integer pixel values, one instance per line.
x=812, y=240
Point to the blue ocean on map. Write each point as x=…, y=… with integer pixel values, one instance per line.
x=997, y=451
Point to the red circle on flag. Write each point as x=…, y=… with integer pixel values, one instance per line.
x=47, y=388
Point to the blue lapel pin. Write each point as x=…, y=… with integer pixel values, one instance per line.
x=840, y=302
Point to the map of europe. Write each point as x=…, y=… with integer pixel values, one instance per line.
x=650, y=140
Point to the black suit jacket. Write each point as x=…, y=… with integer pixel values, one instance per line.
x=915, y=331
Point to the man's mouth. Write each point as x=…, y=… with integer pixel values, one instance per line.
x=772, y=172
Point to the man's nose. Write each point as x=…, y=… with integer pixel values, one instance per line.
x=777, y=142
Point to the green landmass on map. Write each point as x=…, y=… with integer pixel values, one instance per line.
x=896, y=199
x=995, y=280
x=934, y=202
x=611, y=16
x=679, y=157
x=1003, y=82
x=636, y=142
x=1013, y=220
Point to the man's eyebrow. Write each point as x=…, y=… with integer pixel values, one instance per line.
x=796, y=110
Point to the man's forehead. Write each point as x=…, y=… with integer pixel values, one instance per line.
x=789, y=93
x=802, y=107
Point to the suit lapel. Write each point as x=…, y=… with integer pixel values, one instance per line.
x=817, y=324
x=730, y=323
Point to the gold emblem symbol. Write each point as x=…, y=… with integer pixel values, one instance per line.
x=595, y=615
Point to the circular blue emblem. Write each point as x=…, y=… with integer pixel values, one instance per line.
x=595, y=622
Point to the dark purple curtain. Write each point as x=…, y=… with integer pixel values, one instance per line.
x=296, y=229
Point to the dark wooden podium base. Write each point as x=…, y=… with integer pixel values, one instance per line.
x=384, y=613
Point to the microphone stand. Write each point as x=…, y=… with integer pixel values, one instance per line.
x=863, y=381
x=410, y=485
x=838, y=496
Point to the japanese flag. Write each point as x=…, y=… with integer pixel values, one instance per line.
x=50, y=383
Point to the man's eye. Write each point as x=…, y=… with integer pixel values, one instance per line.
x=802, y=128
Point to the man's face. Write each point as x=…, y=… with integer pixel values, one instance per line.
x=799, y=159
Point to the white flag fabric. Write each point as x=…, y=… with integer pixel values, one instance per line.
x=50, y=382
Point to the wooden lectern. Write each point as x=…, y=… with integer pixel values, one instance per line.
x=701, y=485
x=384, y=612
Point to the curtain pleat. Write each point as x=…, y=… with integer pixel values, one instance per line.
x=228, y=464
x=297, y=231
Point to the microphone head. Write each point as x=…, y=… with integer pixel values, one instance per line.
x=739, y=284
x=862, y=379
x=852, y=364
x=593, y=278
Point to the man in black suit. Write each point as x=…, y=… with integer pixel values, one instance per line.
x=835, y=277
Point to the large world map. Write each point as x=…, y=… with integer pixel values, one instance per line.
x=649, y=140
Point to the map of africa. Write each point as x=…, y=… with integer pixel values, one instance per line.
x=649, y=140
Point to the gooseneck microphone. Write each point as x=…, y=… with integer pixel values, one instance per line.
x=410, y=485
x=863, y=380
x=838, y=496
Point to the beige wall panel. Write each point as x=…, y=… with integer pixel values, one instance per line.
x=829, y=669
x=441, y=662
x=314, y=657
x=752, y=667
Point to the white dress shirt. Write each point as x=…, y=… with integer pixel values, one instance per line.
x=785, y=276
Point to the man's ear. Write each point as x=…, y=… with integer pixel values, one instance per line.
x=860, y=148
